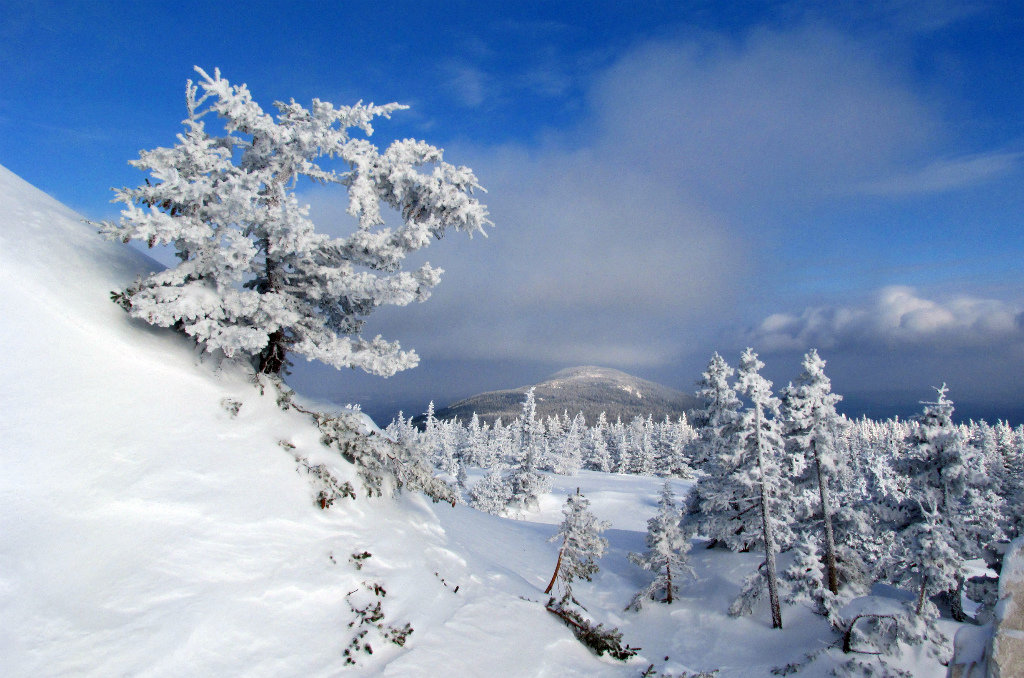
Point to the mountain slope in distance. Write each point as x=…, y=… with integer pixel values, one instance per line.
x=587, y=389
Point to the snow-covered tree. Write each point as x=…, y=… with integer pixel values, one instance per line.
x=667, y=547
x=718, y=506
x=255, y=279
x=951, y=515
x=525, y=478
x=582, y=544
x=673, y=444
x=761, y=443
x=598, y=458
x=492, y=494
x=719, y=411
x=805, y=576
x=569, y=455
x=474, y=448
x=811, y=424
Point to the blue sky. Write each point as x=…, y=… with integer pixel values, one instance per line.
x=667, y=179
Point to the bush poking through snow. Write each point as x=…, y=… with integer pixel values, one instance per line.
x=328, y=488
x=231, y=406
x=368, y=611
x=357, y=559
x=383, y=465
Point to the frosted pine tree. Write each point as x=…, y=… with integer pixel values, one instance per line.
x=475, y=450
x=717, y=506
x=719, y=411
x=525, y=478
x=255, y=278
x=811, y=426
x=673, y=445
x=765, y=487
x=805, y=576
x=951, y=514
x=598, y=456
x=582, y=545
x=570, y=453
x=667, y=546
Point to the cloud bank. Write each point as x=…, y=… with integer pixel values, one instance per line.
x=897, y=317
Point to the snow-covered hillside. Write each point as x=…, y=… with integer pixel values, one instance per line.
x=145, y=530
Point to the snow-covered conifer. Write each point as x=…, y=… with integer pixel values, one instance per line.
x=525, y=477
x=569, y=456
x=811, y=424
x=951, y=516
x=667, y=546
x=719, y=411
x=582, y=544
x=717, y=506
x=761, y=442
x=255, y=279
x=598, y=456
x=492, y=494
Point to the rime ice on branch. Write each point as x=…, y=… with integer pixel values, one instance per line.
x=255, y=278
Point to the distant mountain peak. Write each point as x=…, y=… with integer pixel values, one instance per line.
x=589, y=389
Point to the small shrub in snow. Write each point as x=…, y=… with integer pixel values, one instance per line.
x=368, y=618
x=358, y=557
x=383, y=465
x=492, y=494
x=231, y=406
x=328, y=488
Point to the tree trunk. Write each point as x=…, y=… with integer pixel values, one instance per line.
x=769, y=533
x=920, y=596
x=273, y=357
x=826, y=514
x=668, y=575
x=956, y=603
x=558, y=566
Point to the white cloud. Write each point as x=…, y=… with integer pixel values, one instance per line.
x=896, y=317
x=468, y=83
x=641, y=226
x=945, y=175
x=777, y=117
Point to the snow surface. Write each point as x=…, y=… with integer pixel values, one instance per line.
x=145, y=531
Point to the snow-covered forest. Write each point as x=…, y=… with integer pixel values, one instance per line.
x=925, y=506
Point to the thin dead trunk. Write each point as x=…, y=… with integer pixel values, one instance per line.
x=558, y=566
x=920, y=596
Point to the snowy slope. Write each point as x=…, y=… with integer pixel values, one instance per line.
x=144, y=531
